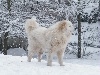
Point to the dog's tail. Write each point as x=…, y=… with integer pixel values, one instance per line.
x=30, y=25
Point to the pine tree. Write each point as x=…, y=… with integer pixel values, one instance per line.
x=5, y=38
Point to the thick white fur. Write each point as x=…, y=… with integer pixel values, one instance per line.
x=53, y=40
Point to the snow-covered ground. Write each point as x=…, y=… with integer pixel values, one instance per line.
x=16, y=65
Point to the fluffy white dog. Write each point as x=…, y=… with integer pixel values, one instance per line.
x=53, y=40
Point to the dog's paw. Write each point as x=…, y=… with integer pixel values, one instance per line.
x=29, y=60
x=39, y=60
x=62, y=65
x=49, y=64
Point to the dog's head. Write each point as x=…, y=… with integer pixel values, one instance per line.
x=65, y=26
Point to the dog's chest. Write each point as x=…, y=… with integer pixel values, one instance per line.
x=58, y=41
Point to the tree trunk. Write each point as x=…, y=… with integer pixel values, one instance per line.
x=79, y=32
x=5, y=35
x=5, y=43
x=79, y=36
x=9, y=6
x=99, y=7
x=59, y=1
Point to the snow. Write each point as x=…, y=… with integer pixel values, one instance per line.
x=90, y=53
x=89, y=30
x=16, y=65
x=90, y=8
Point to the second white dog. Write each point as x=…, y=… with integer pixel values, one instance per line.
x=53, y=40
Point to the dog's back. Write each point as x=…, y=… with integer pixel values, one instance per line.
x=39, y=34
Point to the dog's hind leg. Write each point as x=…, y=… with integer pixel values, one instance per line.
x=30, y=54
x=60, y=57
x=39, y=56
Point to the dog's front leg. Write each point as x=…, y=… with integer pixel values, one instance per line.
x=49, y=58
x=60, y=55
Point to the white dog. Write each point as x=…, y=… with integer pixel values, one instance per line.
x=53, y=39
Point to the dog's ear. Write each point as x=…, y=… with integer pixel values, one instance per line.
x=62, y=25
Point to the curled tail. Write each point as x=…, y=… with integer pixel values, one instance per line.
x=30, y=25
